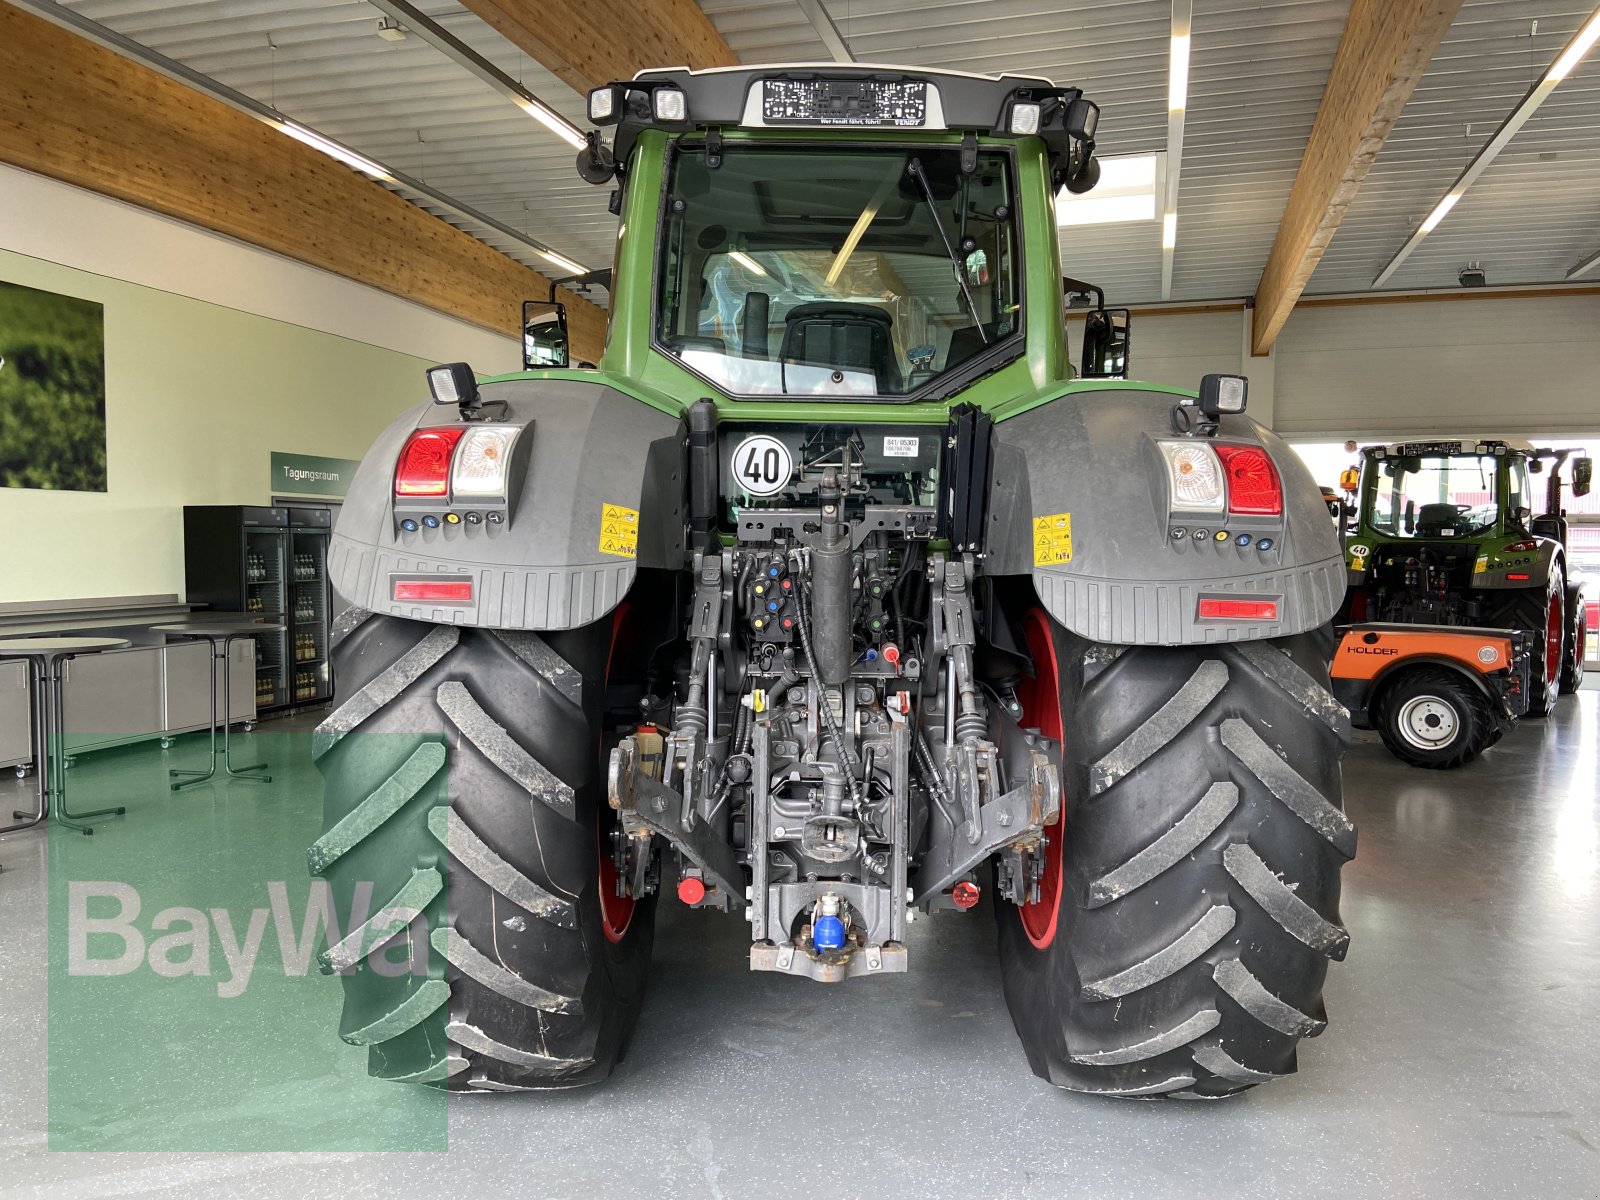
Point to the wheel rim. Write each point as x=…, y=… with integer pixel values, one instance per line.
x=1041, y=707
x=616, y=912
x=1552, y=640
x=1428, y=722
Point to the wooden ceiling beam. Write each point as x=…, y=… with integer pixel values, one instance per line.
x=1387, y=45
x=80, y=113
x=587, y=43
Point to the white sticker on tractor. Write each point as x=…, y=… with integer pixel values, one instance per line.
x=762, y=465
x=900, y=447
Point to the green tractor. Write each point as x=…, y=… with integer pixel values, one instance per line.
x=1444, y=533
x=832, y=599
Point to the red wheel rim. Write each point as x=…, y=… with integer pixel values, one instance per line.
x=1040, y=698
x=1552, y=641
x=616, y=912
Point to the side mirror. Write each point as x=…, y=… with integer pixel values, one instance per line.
x=544, y=334
x=1107, y=338
x=1582, y=476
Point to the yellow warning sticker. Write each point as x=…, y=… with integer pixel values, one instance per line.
x=1482, y=565
x=619, y=531
x=1052, y=540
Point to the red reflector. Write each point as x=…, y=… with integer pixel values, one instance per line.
x=433, y=589
x=691, y=890
x=1253, y=486
x=965, y=894
x=1217, y=609
x=424, y=466
x=1521, y=578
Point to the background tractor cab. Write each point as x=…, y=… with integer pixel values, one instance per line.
x=1454, y=533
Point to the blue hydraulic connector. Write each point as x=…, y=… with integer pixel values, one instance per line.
x=827, y=934
x=827, y=930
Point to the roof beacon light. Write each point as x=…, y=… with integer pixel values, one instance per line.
x=1024, y=119
x=670, y=104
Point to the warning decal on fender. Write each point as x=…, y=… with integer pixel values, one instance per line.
x=619, y=531
x=1052, y=540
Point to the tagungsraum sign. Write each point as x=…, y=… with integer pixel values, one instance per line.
x=311, y=474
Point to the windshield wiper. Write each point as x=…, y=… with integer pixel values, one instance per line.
x=914, y=165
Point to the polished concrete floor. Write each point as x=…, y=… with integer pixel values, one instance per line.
x=1463, y=1057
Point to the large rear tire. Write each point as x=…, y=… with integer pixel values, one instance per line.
x=1577, y=643
x=1191, y=898
x=463, y=779
x=1541, y=614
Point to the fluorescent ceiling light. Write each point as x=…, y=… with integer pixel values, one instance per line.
x=1581, y=45
x=1169, y=231
x=1107, y=210
x=1431, y=221
x=745, y=261
x=555, y=123
x=1178, y=74
x=565, y=263
x=334, y=150
x=1569, y=58
x=1126, y=192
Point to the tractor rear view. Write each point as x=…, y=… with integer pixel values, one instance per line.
x=832, y=600
x=1447, y=534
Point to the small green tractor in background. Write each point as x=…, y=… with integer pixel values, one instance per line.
x=1445, y=533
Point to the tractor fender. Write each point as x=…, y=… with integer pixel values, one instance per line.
x=1534, y=565
x=1088, y=464
x=587, y=458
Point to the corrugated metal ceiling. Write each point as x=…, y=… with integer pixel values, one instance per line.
x=1257, y=72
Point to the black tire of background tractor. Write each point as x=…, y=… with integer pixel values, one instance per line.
x=473, y=740
x=1572, y=655
x=1436, y=701
x=1529, y=611
x=1202, y=847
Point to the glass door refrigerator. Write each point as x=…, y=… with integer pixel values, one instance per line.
x=310, y=607
x=237, y=558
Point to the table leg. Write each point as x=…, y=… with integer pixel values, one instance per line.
x=189, y=778
x=41, y=761
x=227, y=716
x=58, y=711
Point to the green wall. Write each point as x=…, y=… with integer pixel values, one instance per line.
x=197, y=398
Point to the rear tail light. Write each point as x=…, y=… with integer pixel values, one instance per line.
x=1194, y=476
x=1253, y=487
x=457, y=590
x=1220, y=608
x=424, y=466
x=482, y=461
x=1520, y=547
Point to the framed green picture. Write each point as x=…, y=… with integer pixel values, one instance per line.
x=52, y=391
